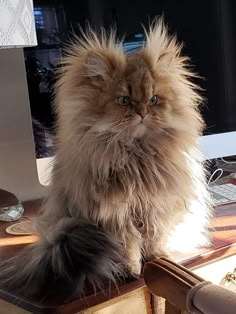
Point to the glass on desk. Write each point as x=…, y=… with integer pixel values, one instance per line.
x=11, y=208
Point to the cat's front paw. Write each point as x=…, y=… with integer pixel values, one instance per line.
x=134, y=268
x=157, y=254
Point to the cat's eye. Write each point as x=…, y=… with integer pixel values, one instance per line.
x=153, y=101
x=124, y=100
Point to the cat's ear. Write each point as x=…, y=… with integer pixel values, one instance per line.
x=98, y=54
x=103, y=63
x=165, y=61
x=97, y=65
x=160, y=48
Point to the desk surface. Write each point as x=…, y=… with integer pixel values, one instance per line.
x=223, y=234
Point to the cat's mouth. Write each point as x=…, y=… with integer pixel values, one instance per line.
x=140, y=128
x=142, y=121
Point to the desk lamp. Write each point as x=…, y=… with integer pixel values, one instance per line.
x=17, y=30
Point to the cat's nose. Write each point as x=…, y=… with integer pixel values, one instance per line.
x=142, y=112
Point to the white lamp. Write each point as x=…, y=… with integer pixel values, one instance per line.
x=17, y=26
x=17, y=165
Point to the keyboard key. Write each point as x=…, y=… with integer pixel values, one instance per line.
x=224, y=193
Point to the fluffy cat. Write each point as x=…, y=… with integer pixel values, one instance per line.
x=127, y=183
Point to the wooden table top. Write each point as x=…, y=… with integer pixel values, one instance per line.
x=223, y=233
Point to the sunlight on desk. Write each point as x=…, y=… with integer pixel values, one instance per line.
x=18, y=240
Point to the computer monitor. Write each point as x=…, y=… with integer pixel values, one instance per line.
x=207, y=29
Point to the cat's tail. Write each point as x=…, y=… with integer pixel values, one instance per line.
x=72, y=254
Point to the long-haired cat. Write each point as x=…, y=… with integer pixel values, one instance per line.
x=127, y=183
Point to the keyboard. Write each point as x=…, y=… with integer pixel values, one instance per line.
x=223, y=194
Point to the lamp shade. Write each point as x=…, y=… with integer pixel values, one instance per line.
x=17, y=25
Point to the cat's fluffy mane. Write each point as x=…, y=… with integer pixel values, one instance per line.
x=141, y=184
x=91, y=146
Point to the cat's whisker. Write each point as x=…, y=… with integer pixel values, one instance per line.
x=117, y=135
x=114, y=132
x=121, y=124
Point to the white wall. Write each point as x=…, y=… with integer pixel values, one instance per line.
x=18, y=171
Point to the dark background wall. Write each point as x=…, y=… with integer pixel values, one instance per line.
x=206, y=27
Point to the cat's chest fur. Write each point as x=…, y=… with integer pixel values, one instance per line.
x=128, y=168
x=133, y=184
x=133, y=195
x=134, y=170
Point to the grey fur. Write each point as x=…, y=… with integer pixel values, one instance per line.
x=76, y=253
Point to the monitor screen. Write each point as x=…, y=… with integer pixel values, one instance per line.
x=206, y=28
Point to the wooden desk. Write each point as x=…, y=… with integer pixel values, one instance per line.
x=223, y=244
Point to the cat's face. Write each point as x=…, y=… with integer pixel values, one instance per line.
x=133, y=96
x=136, y=100
x=132, y=101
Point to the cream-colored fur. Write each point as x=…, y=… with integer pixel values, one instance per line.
x=138, y=179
